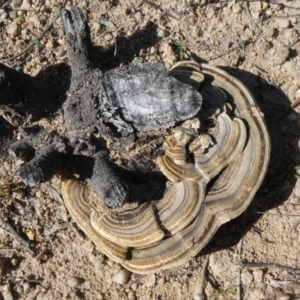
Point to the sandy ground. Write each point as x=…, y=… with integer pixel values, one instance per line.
x=257, y=41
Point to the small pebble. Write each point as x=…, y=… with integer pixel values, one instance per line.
x=26, y=287
x=74, y=281
x=283, y=23
x=290, y=33
x=209, y=290
x=99, y=265
x=247, y=277
x=278, y=7
x=237, y=8
x=3, y=16
x=26, y=5
x=15, y=4
x=197, y=297
x=13, y=29
x=176, y=285
x=49, y=44
x=256, y=15
x=255, y=6
x=6, y=292
x=13, y=14
x=293, y=70
x=60, y=53
x=122, y=276
x=108, y=37
x=150, y=280
x=108, y=24
x=96, y=27
x=269, y=32
x=14, y=261
x=138, y=16
x=161, y=281
x=210, y=12
x=31, y=234
x=134, y=286
x=160, y=33
x=281, y=56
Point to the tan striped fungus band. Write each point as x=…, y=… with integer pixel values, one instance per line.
x=168, y=232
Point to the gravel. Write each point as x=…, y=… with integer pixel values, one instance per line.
x=122, y=277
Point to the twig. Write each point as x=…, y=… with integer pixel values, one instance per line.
x=55, y=195
x=203, y=276
x=275, y=214
x=295, y=103
x=78, y=234
x=32, y=43
x=284, y=17
x=253, y=22
x=293, y=43
x=239, y=287
x=210, y=58
x=294, y=228
x=55, y=228
x=8, y=250
x=22, y=9
x=11, y=231
x=266, y=265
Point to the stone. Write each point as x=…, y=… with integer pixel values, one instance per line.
x=237, y=8
x=74, y=281
x=283, y=23
x=161, y=280
x=197, y=297
x=258, y=275
x=99, y=265
x=150, y=280
x=209, y=290
x=122, y=277
x=293, y=70
x=247, y=277
x=269, y=32
x=280, y=56
x=6, y=292
x=13, y=29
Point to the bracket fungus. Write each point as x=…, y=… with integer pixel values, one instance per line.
x=163, y=157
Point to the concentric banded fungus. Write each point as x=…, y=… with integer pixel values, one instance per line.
x=168, y=232
x=230, y=140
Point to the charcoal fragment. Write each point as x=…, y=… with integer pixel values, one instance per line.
x=104, y=177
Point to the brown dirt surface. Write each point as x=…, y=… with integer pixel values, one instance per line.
x=252, y=257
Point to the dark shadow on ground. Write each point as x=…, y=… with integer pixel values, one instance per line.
x=126, y=48
x=280, y=180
